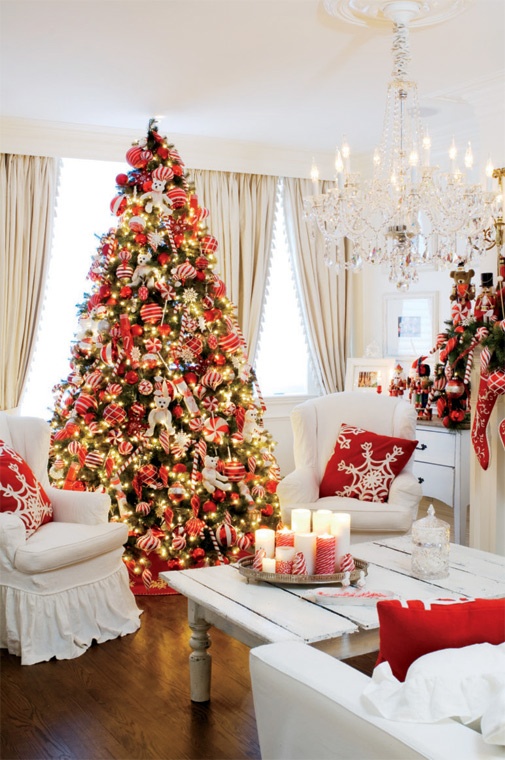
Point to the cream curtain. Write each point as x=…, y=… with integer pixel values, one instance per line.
x=242, y=208
x=326, y=297
x=28, y=186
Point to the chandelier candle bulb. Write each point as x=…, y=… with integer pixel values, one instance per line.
x=264, y=538
x=300, y=520
x=305, y=543
x=321, y=521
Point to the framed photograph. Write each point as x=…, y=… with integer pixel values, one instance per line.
x=409, y=324
x=368, y=375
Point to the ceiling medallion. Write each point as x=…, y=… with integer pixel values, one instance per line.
x=420, y=12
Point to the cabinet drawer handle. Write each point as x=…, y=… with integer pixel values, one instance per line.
x=422, y=447
x=420, y=480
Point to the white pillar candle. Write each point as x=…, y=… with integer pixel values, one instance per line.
x=300, y=520
x=341, y=529
x=285, y=553
x=264, y=538
x=306, y=544
x=268, y=565
x=321, y=521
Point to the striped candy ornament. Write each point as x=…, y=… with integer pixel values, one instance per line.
x=93, y=379
x=230, y=343
x=212, y=379
x=243, y=542
x=125, y=448
x=218, y=287
x=148, y=542
x=226, y=535
x=347, y=564
x=179, y=543
x=113, y=389
x=85, y=403
x=137, y=223
x=93, y=460
x=147, y=577
x=209, y=244
x=299, y=564
x=178, y=197
x=184, y=271
x=93, y=428
x=146, y=387
x=143, y=508
x=151, y=313
x=138, y=157
x=124, y=272
x=113, y=414
x=163, y=172
x=214, y=429
x=118, y=204
x=234, y=471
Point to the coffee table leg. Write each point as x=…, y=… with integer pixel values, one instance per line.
x=199, y=660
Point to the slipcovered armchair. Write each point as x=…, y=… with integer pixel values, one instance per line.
x=65, y=584
x=316, y=424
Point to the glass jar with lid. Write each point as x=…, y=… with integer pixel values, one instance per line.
x=430, y=547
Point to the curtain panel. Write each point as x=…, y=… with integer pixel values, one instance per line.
x=28, y=188
x=326, y=297
x=242, y=209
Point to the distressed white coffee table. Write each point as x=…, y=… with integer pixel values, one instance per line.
x=260, y=613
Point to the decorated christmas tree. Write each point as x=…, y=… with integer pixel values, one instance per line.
x=161, y=408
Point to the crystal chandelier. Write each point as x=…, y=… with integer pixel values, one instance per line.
x=410, y=213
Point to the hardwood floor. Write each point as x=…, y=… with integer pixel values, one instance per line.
x=128, y=699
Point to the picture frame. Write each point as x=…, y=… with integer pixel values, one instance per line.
x=368, y=375
x=410, y=324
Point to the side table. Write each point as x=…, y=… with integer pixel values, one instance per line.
x=442, y=465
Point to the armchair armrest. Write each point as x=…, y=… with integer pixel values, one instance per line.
x=299, y=487
x=406, y=490
x=87, y=507
x=12, y=536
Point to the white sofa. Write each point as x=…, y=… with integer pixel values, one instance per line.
x=66, y=585
x=308, y=707
x=315, y=425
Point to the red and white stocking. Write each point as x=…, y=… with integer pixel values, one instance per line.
x=490, y=387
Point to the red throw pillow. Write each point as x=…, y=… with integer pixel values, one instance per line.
x=21, y=492
x=411, y=629
x=364, y=464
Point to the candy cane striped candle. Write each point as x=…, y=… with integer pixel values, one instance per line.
x=325, y=554
x=283, y=568
x=284, y=537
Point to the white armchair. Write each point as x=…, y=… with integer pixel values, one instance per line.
x=66, y=585
x=316, y=424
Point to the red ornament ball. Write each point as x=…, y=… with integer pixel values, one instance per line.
x=190, y=378
x=271, y=486
x=125, y=292
x=209, y=506
x=137, y=330
x=162, y=152
x=164, y=329
x=163, y=258
x=219, y=495
x=455, y=388
x=140, y=238
x=179, y=467
x=147, y=185
x=219, y=359
x=131, y=377
x=198, y=553
x=267, y=510
x=122, y=179
x=177, y=412
x=200, y=276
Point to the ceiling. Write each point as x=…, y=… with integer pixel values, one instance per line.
x=278, y=73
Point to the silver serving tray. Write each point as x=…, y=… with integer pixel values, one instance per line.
x=246, y=569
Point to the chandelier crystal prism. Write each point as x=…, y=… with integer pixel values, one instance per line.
x=410, y=213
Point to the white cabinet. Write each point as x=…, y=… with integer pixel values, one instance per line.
x=442, y=465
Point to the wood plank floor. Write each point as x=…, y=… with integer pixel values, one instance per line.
x=128, y=699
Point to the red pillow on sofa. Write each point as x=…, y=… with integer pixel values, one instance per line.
x=21, y=492
x=411, y=629
x=364, y=464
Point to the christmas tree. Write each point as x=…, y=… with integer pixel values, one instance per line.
x=161, y=408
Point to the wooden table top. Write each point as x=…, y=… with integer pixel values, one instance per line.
x=278, y=613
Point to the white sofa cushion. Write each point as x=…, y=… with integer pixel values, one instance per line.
x=449, y=683
x=61, y=544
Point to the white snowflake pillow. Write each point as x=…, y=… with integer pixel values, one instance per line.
x=364, y=464
x=21, y=492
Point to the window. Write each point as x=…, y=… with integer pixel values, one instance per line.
x=83, y=214
x=282, y=361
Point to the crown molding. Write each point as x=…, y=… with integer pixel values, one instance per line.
x=63, y=140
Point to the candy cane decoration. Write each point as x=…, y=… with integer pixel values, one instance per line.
x=212, y=538
x=130, y=459
x=120, y=495
x=480, y=334
x=188, y=397
x=200, y=450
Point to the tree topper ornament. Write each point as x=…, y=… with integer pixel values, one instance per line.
x=156, y=195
